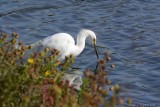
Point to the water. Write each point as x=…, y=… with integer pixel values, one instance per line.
x=130, y=29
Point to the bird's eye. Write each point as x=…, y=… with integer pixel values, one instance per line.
x=94, y=41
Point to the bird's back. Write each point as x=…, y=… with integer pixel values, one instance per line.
x=59, y=41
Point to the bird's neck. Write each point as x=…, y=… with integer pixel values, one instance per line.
x=81, y=37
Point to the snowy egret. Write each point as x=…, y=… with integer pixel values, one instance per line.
x=66, y=44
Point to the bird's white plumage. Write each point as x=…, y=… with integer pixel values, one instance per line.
x=61, y=42
x=66, y=44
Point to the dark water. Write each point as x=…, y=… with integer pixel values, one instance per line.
x=130, y=29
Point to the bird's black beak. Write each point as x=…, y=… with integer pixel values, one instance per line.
x=94, y=44
x=97, y=56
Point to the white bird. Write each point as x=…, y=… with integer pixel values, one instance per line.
x=66, y=44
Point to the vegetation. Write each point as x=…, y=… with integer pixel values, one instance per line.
x=37, y=80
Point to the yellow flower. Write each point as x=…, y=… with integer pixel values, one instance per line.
x=46, y=49
x=42, y=54
x=31, y=61
x=47, y=73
